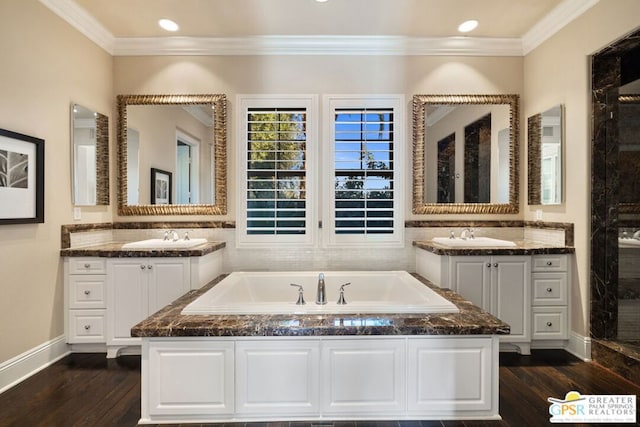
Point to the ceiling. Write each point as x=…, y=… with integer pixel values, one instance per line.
x=119, y=25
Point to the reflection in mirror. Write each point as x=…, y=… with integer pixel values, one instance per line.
x=183, y=135
x=629, y=148
x=544, y=134
x=89, y=157
x=464, y=154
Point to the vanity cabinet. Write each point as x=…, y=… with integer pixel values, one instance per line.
x=85, y=302
x=529, y=292
x=138, y=287
x=550, y=295
x=499, y=285
x=106, y=296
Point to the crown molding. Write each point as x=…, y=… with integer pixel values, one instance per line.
x=560, y=16
x=317, y=45
x=554, y=21
x=82, y=21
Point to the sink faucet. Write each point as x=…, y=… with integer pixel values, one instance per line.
x=467, y=233
x=171, y=235
x=321, y=298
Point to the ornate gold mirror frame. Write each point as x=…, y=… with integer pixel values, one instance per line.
x=420, y=103
x=219, y=103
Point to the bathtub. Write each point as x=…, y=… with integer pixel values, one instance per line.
x=271, y=293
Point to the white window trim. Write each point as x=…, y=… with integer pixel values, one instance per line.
x=329, y=237
x=243, y=103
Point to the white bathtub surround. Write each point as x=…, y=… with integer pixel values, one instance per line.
x=365, y=292
x=319, y=367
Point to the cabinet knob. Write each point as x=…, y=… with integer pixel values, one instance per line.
x=549, y=263
x=87, y=265
x=87, y=327
x=87, y=292
x=149, y=267
x=549, y=290
x=488, y=264
x=495, y=265
x=549, y=324
x=142, y=267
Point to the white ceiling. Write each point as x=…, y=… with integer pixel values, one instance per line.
x=507, y=27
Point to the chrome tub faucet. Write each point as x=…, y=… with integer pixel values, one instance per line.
x=321, y=297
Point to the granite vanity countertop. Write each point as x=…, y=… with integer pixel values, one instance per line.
x=114, y=250
x=471, y=320
x=521, y=248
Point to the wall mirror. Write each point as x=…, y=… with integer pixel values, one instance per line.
x=629, y=148
x=465, y=154
x=544, y=151
x=175, y=145
x=89, y=157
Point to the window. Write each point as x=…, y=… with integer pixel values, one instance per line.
x=364, y=174
x=276, y=136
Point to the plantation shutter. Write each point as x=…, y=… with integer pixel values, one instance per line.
x=276, y=171
x=364, y=171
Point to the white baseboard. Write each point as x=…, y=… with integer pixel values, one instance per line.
x=21, y=367
x=579, y=346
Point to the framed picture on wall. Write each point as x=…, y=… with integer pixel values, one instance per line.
x=21, y=178
x=160, y=187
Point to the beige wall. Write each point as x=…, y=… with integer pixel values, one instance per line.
x=558, y=72
x=46, y=65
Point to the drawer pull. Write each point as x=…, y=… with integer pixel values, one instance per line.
x=142, y=267
x=488, y=264
x=549, y=324
x=549, y=263
x=87, y=327
x=87, y=292
x=495, y=265
x=150, y=267
x=549, y=290
x=87, y=265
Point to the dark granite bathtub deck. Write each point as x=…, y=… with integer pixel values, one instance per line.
x=471, y=320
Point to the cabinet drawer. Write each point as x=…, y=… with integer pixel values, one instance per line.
x=550, y=323
x=86, y=326
x=549, y=289
x=87, y=291
x=549, y=263
x=87, y=266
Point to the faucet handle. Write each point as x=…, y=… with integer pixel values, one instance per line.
x=301, y=300
x=452, y=235
x=341, y=300
x=186, y=235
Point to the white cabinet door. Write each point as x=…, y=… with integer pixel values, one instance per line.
x=511, y=295
x=471, y=277
x=168, y=281
x=190, y=377
x=363, y=376
x=446, y=376
x=127, y=299
x=279, y=377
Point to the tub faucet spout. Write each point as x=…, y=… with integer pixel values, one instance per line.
x=321, y=297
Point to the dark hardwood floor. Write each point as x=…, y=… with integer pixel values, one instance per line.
x=90, y=390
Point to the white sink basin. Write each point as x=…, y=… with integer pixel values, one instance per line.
x=473, y=243
x=164, y=244
x=628, y=243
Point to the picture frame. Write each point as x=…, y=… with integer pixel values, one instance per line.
x=21, y=178
x=160, y=187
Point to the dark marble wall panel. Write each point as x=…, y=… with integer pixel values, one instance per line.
x=605, y=179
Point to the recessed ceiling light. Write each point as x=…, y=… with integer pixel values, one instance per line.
x=467, y=26
x=168, y=24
